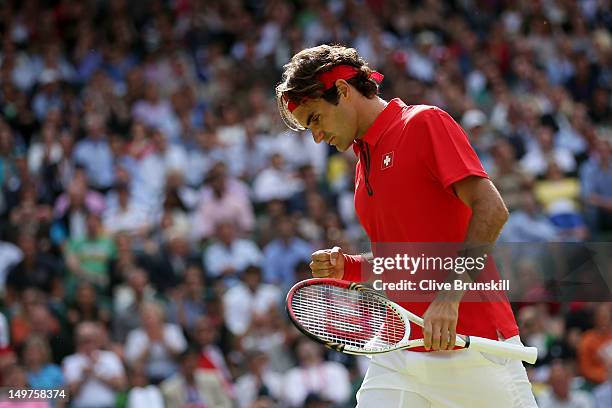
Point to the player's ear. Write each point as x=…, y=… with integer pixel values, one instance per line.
x=343, y=87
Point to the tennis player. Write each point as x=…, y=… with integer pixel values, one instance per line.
x=417, y=180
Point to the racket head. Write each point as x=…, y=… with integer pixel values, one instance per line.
x=347, y=316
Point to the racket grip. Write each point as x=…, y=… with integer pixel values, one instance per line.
x=503, y=349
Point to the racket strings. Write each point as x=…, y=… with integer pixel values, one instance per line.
x=349, y=317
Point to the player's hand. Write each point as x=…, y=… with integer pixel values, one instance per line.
x=440, y=328
x=328, y=263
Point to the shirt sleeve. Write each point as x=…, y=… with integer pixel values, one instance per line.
x=352, y=268
x=447, y=150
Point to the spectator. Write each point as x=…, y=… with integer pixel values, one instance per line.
x=46, y=151
x=231, y=131
x=89, y=258
x=582, y=84
x=594, y=343
x=311, y=225
x=71, y=207
x=249, y=299
x=265, y=229
x=202, y=157
x=167, y=265
x=275, y=182
x=31, y=214
x=258, y=381
x=283, y=253
x=475, y=123
x=528, y=224
x=532, y=322
x=561, y=393
x=9, y=151
x=48, y=95
x=600, y=110
x=315, y=376
x=94, y=153
x=16, y=379
x=192, y=386
x=603, y=392
x=311, y=184
x=211, y=357
x=36, y=319
x=223, y=199
x=537, y=158
x=56, y=175
x=270, y=333
x=37, y=269
x=155, y=111
x=229, y=256
x=87, y=307
x=559, y=195
x=126, y=215
x=188, y=299
x=249, y=158
x=141, y=393
x=127, y=258
x=509, y=178
x=154, y=169
x=128, y=298
x=139, y=146
x=41, y=372
x=596, y=179
x=297, y=150
x=94, y=376
x=10, y=255
x=156, y=345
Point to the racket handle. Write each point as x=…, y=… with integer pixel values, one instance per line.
x=503, y=349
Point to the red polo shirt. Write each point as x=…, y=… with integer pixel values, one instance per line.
x=415, y=154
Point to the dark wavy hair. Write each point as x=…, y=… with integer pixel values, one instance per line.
x=300, y=78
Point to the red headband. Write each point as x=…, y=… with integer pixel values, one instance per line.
x=330, y=77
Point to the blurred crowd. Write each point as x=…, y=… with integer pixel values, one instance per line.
x=154, y=210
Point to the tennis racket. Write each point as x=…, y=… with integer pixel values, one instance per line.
x=354, y=319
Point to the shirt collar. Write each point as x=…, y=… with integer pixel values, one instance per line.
x=381, y=124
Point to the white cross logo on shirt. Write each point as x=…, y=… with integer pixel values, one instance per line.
x=387, y=161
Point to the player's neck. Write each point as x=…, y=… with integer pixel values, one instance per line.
x=367, y=112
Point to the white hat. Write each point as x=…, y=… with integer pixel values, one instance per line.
x=473, y=118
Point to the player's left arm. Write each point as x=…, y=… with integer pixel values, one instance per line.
x=489, y=214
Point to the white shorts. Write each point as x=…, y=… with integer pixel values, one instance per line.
x=449, y=379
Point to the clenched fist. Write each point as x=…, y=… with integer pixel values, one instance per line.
x=328, y=263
